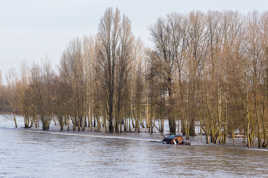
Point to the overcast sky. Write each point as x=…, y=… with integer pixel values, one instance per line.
x=35, y=29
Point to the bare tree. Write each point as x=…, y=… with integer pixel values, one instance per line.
x=12, y=94
x=168, y=37
x=113, y=55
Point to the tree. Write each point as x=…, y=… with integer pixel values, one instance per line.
x=169, y=42
x=113, y=57
x=12, y=94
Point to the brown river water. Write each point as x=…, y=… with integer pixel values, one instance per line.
x=34, y=153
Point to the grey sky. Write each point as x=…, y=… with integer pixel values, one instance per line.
x=35, y=29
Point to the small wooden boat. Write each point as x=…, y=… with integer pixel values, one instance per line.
x=175, y=139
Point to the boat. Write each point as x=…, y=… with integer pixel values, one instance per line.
x=175, y=139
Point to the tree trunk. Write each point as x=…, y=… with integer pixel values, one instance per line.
x=45, y=123
x=15, y=121
x=61, y=121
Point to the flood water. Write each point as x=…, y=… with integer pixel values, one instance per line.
x=34, y=153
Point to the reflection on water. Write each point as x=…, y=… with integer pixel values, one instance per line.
x=33, y=153
x=26, y=153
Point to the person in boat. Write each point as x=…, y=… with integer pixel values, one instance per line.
x=175, y=139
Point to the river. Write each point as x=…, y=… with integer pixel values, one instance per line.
x=34, y=153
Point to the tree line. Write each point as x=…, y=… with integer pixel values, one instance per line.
x=208, y=67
